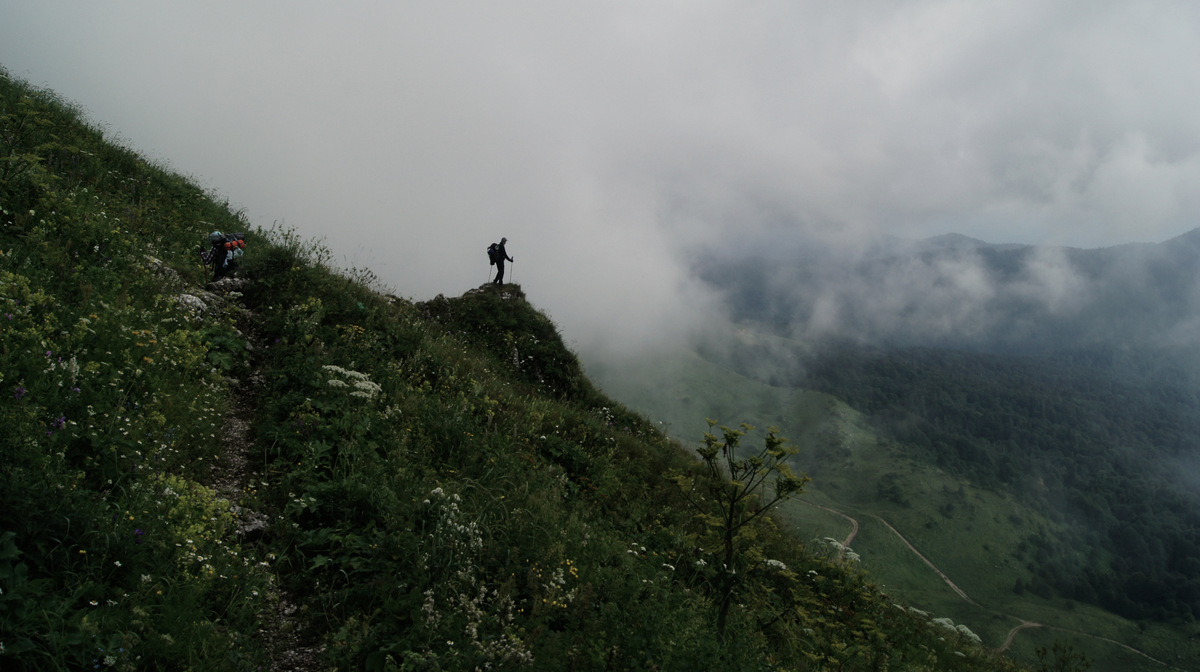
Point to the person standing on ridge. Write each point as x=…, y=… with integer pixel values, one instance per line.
x=499, y=255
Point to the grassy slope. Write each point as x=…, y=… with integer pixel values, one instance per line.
x=298, y=469
x=973, y=535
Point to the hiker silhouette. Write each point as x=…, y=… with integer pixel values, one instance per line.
x=498, y=255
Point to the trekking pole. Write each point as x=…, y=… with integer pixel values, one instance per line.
x=512, y=275
x=204, y=274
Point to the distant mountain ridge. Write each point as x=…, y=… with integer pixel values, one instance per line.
x=945, y=241
x=956, y=291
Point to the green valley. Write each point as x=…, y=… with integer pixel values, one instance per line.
x=992, y=543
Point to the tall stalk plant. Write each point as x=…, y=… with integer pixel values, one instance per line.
x=739, y=491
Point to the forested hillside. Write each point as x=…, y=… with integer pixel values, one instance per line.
x=294, y=469
x=1111, y=455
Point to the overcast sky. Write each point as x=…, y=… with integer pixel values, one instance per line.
x=605, y=139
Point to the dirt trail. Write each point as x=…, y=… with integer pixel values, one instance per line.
x=1123, y=646
x=853, y=523
x=288, y=649
x=932, y=566
x=1030, y=624
x=854, y=527
x=1013, y=633
x=1023, y=625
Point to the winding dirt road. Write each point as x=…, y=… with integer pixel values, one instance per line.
x=932, y=566
x=853, y=523
x=1013, y=633
x=1024, y=624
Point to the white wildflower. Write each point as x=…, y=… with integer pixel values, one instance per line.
x=966, y=632
x=945, y=623
x=346, y=373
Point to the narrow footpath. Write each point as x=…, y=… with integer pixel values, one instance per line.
x=282, y=632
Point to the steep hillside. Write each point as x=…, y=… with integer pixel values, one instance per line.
x=290, y=469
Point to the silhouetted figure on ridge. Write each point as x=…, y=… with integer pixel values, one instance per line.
x=497, y=255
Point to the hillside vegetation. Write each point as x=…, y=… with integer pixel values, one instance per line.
x=291, y=469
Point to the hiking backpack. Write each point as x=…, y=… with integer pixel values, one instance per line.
x=234, y=245
x=493, y=253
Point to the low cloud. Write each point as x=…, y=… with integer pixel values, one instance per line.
x=960, y=292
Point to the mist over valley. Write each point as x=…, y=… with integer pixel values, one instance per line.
x=1049, y=393
x=955, y=291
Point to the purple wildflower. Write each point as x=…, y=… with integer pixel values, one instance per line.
x=57, y=425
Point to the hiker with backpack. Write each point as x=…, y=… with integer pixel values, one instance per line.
x=224, y=249
x=497, y=256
